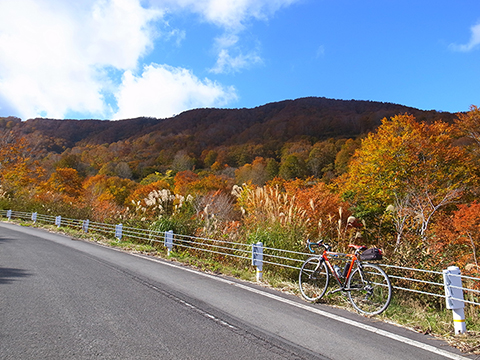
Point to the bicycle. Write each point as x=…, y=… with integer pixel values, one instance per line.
x=367, y=285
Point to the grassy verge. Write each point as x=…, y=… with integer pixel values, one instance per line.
x=413, y=313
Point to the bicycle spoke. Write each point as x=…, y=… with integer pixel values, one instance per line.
x=313, y=279
x=369, y=290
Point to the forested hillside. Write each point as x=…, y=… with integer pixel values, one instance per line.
x=400, y=178
x=235, y=136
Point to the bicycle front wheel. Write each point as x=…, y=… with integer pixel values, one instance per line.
x=313, y=279
x=369, y=289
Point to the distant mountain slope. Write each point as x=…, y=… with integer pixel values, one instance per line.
x=314, y=118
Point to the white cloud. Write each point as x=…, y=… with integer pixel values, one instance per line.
x=227, y=63
x=228, y=14
x=226, y=45
x=320, y=52
x=121, y=31
x=162, y=91
x=473, y=43
x=61, y=57
x=53, y=55
x=233, y=17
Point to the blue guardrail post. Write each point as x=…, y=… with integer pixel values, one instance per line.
x=168, y=241
x=85, y=225
x=257, y=259
x=454, y=297
x=118, y=231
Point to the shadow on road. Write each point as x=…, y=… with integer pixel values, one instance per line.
x=8, y=275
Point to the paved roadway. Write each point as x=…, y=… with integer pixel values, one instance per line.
x=62, y=298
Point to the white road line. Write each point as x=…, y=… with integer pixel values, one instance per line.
x=357, y=324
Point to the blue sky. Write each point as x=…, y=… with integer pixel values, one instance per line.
x=117, y=59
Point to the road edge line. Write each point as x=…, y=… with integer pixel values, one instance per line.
x=339, y=318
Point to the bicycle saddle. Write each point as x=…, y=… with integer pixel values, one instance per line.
x=358, y=247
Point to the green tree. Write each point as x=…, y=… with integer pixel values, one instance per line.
x=123, y=171
x=182, y=162
x=347, y=149
x=293, y=166
x=72, y=161
x=272, y=168
x=321, y=158
x=210, y=158
x=107, y=169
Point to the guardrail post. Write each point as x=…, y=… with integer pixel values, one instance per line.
x=257, y=259
x=85, y=225
x=9, y=214
x=454, y=297
x=168, y=241
x=58, y=221
x=118, y=231
x=34, y=217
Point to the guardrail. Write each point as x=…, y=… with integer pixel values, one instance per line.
x=445, y=284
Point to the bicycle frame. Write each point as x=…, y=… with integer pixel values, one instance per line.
x=351, y=258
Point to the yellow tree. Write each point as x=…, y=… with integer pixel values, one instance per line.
x=469, y=123
x=109, y=187
x=411, y=167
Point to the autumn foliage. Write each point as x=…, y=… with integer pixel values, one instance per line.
x=408, y=186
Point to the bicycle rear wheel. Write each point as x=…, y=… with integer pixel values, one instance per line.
x=313, y=279
x=369, y=289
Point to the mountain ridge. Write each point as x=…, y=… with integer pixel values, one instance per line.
x=311, y=117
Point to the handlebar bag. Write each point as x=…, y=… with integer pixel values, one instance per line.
x=371, y=254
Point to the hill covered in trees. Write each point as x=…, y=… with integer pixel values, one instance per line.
x=317, y=118
x=201, y=137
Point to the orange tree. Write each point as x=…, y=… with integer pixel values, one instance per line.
x=468, y=125
x=106, y=196
x=183, y=181
x=65, y=181
x=458, y=239
x=62, y=194
x=412, y=168
x=467, y=223
x=19, y=174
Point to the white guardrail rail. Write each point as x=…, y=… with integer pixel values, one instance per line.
x=445, y=284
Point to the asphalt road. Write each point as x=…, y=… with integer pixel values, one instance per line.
x=62, y=298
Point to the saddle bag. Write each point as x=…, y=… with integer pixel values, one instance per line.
x=371, y=254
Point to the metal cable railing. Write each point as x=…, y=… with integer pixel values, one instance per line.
x=270, y=256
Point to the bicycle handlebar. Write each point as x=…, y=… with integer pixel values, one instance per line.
x=317, y=244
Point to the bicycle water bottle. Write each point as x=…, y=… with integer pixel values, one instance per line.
x=345, y=270
x=337, y=271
